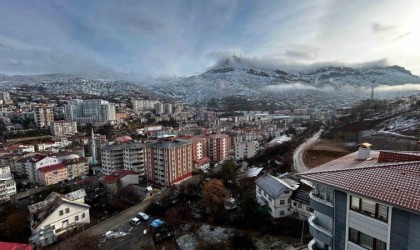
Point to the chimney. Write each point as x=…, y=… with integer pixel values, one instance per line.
x=364, y=151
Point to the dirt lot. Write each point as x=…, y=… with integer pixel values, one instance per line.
x=324, y=151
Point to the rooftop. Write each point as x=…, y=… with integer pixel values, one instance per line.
x=52, y=168
x=109, y=179
x=169, y=144
x=388, y=176
x=15, y=246
x=122, y=146
x=275, y=186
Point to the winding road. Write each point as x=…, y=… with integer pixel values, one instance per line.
x=298, y=162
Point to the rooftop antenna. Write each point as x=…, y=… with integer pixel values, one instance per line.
x=372, y=91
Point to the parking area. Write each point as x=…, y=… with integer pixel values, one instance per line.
x=128, y=236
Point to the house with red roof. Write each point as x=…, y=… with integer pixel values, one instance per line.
x=15, y=246
x=366, y=200
x=120, y=179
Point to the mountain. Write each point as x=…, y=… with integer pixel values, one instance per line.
x=55, y=84
x=234, y=76
x=238, y=77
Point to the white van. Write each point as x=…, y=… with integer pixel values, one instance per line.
x=135, y=221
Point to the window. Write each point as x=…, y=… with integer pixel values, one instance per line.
x=67, y=210
x=287, y=191
x=281, y=202
x=76, y=218
x=281, y=213
x=294, y=204
x=365, y=240
x=60, y=212
x=369, y=208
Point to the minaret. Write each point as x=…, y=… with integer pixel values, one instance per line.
x=372, y=91
x=93, y=147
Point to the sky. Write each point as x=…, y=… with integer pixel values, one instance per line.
x=137, y=39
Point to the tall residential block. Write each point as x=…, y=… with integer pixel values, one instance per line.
x=128, y=156
x=90, y=110
x=169, y=161
x=217, y=146
x=44, y=116
x=63, y=128
x=7, y=184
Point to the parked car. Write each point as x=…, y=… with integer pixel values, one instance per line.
x=142, y=216
x=135, y=221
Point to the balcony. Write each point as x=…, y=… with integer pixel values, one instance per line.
x=319, y=232
x=321, y=205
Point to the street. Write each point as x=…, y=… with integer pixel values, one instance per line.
x=298, y=162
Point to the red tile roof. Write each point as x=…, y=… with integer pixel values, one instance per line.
x=15, y=246
x=52, y=168
x=109, y=179
x=38, y=157
x=202, y=160
x=395, y=183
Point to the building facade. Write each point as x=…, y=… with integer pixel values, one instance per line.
x=43, y=116
x=7, y=184
x=129, y=156
x=169, y=161
x=217, y=147
x=63, y=128
x=366, y=200
x=90, y=110
x=245, y=149
x=275, y=193
x=52, y=174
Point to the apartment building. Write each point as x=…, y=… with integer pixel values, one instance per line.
x=366, y=200
x=63, y=128
x=129, y=156
x=77, y=167
x=7, y=184
x=143, y=105
x=245, y=149
x=90, y=110
x=169, y=161
x=52, y=174
x=36, y=162
x=217, y=146
x=43, y=116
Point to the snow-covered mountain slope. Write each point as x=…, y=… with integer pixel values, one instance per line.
x=237, y=78
x=71, y=84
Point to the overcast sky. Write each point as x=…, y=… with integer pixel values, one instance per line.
x=182, y=38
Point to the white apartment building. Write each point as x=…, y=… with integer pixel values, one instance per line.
x=245, y=149
x=129, y=156
x=7, y=184
x=90, y=110
x=36, y=162
x=143, y=105
x=63, y=128
x=44, y=116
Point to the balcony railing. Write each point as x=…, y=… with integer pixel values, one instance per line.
x=318, y=232
x=315, y=197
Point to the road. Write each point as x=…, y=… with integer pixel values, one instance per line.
x=298, y=162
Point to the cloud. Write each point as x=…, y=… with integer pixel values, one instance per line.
x=304, y=55
x=402, y=36
x=398, y=88
x=379, y=28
